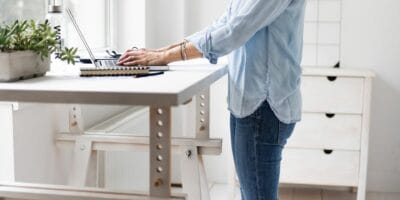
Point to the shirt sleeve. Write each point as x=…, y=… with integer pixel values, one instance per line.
x=229, y=34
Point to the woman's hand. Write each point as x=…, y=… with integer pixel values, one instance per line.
x=161, y=56
x=143, y=57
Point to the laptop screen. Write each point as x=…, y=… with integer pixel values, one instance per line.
x=78, y=30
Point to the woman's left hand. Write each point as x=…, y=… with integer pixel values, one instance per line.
x=142, y=57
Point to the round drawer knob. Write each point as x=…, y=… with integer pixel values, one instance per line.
x=330, y=115
x=331, y=78
x=328, y=151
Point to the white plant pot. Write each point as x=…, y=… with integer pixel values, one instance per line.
x=21, y=65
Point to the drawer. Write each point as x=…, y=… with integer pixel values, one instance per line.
x=327, y=131
x=332, y=94
x=316, y=167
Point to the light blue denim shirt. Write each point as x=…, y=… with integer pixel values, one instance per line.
x=264, y=40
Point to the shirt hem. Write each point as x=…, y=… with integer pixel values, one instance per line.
x=246, y=114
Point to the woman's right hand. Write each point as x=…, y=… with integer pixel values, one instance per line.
x=143, y=57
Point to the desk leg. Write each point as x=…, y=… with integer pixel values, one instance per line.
x=203, y=132
x=203, y=114
x=160, y=151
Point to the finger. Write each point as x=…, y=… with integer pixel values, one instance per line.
x=133, y=55
x=139, y=57
x=136, y=53
x=136, y=62
x=128, y=58
x=123, y=60
x=125, y=54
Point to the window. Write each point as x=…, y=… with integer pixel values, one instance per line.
x=22, y=9
x=93, y=18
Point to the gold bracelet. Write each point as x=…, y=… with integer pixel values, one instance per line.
x=181, y=50
x=184, y=51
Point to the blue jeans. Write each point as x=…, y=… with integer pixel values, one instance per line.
x=257, y=144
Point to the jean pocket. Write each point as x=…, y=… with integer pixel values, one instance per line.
x=285, y=131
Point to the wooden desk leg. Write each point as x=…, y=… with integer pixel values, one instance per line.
x=160, y=151
x=194, y=178
x=7, y=159
x=202, y=132
x=203, y=114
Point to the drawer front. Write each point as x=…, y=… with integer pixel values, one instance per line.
x=327, y=131
x=332, y=94
x=315, y=167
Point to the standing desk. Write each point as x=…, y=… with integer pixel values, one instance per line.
x=176, y=87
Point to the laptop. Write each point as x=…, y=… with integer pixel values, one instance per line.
x=103, y=62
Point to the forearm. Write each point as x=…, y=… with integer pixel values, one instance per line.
x=168, y=47
x=175, y=54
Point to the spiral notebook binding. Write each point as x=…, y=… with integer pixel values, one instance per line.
x=114, y=71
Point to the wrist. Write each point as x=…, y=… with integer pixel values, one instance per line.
x=170, y=56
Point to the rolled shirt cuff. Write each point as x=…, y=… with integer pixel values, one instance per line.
x=202, y=41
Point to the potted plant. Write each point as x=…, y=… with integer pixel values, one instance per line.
x=25, y=49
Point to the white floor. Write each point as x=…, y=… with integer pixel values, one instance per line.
x=226, y=192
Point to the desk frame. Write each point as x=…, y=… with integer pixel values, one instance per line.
x=160, y=125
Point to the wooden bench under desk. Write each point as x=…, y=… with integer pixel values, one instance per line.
x=175, y=87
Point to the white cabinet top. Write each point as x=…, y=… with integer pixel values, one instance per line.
x=172, y=88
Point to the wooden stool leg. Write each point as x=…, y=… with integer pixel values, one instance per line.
x=191, y=182
x=205, y=191
x=92, y=173
x=80, y=165
x=96, y=172
x=100, y=176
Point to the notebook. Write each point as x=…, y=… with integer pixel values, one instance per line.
x=114, y=71
x=108, y=67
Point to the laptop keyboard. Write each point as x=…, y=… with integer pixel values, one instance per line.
x=108, y=63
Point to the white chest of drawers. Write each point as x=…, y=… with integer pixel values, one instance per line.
x=329, y=147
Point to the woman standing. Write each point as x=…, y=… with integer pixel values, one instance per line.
x=264, y=40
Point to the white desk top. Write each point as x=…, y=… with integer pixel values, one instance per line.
x=172, y=88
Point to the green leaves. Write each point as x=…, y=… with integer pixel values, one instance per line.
x=30, y=35
x=68, y=54
x=6, y=35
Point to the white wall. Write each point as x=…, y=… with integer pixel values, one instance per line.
x=200, y=14
x=156, y=23
x=129, y=23
x=164, y=22
x=371, y=39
